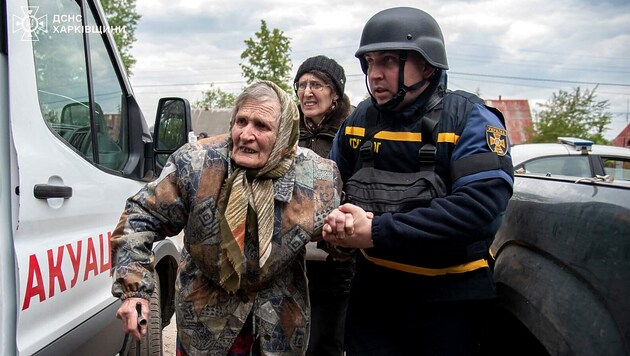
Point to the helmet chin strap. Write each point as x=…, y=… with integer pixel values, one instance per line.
x=402, y=88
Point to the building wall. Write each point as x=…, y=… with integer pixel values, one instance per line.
x=623, y=139
x=518, y=118
x=214, y=122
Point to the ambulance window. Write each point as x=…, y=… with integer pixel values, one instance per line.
x=109, y=98
x=62, y=83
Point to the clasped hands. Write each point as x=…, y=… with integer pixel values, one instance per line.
x=349, y=226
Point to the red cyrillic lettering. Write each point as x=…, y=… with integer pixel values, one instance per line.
x=54, y=272
x=76, y=261
x=90, y=264
x=105, y=265
x=34, y=275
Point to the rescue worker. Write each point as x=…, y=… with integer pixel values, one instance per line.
x=424, y=283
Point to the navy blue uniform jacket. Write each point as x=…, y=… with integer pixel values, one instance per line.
x=453, y=228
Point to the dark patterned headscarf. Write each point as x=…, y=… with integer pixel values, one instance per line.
x=249, y=205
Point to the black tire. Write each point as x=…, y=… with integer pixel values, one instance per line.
x=151, y=343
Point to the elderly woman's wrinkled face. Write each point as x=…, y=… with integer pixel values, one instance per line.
x=254, y=133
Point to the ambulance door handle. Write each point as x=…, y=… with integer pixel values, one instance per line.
x=47, y=191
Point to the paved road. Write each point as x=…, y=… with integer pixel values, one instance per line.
x=169, y=334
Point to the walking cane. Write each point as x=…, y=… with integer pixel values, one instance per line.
x=141, y=322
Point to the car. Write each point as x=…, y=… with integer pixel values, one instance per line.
x=573, y=157
x=561, y=254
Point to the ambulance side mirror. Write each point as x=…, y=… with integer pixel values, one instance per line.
x=172, y=125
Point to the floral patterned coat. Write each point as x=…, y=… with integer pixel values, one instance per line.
x=185, y=197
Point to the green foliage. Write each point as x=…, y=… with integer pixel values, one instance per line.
x=575, y=114
x=122, y=14
x=267, y=58
x=215, y=98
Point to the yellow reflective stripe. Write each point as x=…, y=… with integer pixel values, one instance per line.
x=355, y=131
x=399, y=136
x=463, y=268
x=448, y=137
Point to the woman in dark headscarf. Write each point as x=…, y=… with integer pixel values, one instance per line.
x=319, y=85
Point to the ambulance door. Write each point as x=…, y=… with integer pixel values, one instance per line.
x=72, y=115
x=7, y=267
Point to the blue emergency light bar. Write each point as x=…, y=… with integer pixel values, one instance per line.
x=578, y=143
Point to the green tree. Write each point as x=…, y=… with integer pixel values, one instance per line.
x=215, y=98
x=572, y=114
x=267, y=57
x=122, y=14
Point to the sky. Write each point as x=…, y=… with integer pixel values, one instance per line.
x=512, y=49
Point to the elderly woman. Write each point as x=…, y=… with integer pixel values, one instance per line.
x=248, y=202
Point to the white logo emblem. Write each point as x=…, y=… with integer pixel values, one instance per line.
x=30, y=24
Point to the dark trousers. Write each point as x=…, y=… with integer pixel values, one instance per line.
x=329, y=288
x=386, y=318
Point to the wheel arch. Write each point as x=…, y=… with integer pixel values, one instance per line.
x=560, y=309
x=166, y=262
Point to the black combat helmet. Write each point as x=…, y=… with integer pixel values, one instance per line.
x=403, y=28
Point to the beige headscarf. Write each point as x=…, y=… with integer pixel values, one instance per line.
x=236, y=213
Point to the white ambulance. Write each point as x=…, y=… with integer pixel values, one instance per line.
x=73, y=147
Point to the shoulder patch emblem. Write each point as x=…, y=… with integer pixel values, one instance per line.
x=497, y=140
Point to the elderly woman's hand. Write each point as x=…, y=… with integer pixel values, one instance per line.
x=349, y=226
x=129, y=316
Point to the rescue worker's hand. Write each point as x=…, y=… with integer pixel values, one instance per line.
x=129, y=316
x=349, y=226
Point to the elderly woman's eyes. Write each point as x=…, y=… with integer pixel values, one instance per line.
x=263, y=126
